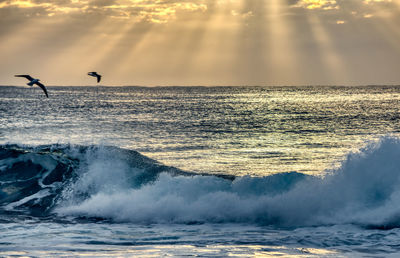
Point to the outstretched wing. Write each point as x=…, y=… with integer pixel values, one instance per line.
x=98, y=78
x=43, y=88
x=25, y=76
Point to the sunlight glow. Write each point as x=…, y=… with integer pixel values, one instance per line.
x=283, y=53
x=225, y=42
x=87, y=52
x=389, y=31
x=330, y=58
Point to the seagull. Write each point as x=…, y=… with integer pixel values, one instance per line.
x=33, y=81
x=94, y=74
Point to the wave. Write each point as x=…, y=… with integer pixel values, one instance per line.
x=37, y=178
x=124, y=186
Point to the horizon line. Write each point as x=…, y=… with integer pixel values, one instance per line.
x=214, y=86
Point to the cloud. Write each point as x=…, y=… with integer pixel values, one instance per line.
x=376, y=1
x=243, y=15
x=337, y=4
x=318, y=4
x=159, y=11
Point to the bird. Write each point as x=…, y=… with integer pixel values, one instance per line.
x=33, y=81
x=94, y=74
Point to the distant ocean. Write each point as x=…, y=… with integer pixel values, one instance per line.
x=200, y=171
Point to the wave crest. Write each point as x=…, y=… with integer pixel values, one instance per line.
x=125, y=186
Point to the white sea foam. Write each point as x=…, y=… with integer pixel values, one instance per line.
x=365, y=189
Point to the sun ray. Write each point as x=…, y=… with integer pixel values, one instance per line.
x=138, y=59
x=180, y=44
x=252, y=45
x=388, y=29
x=122, y=44
x=332, y=60
x=71, y=58
x=18, y=40
x=282, y=40
x=224, y=55
x=192, y=40
x=258, y=42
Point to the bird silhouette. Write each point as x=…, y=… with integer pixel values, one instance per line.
x=94, y=74
x=33, y=81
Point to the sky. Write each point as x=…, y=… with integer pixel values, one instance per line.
x=201, y=42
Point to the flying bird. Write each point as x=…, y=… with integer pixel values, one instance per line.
x=33, y=81
x=94, y=74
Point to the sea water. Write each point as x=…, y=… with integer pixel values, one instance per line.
x=207, y=171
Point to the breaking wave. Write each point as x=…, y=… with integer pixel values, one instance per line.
x=124, y=186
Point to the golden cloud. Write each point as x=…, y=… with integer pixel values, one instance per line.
x=156, y=11
x=318, y=4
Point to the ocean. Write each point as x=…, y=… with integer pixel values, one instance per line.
x=311, y=171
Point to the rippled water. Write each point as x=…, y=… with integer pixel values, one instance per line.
x=228, y=130
x=181, y=171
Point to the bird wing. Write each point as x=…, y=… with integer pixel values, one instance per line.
x=98, y=78
x=43, y=88
x=25, y=76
